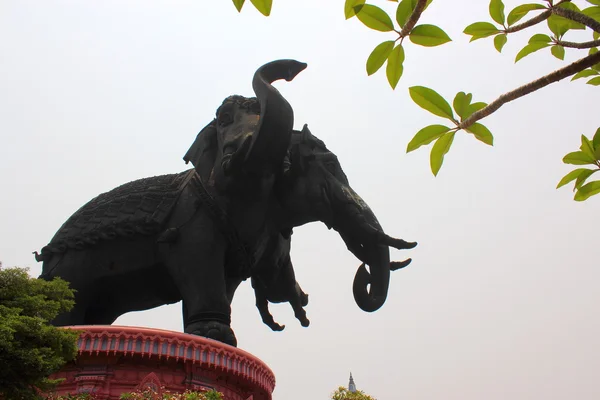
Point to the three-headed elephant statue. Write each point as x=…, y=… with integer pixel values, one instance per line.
x=195, y=236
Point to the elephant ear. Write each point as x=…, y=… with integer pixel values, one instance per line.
x=203, y=152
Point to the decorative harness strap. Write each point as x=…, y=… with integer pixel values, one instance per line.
x=242, y=257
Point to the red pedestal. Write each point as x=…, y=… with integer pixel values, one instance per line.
x=117, y=359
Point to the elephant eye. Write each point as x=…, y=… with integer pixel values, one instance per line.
x=330, y=166
x=225, y=119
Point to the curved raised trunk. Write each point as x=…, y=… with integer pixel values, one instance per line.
x=272, y=138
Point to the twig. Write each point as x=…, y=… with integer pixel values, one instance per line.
x=533, y=21
x=583, y=45
x=555, y=76
x=414, y=17
x=577, y=17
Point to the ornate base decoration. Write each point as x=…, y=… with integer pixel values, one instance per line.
x=117, y=359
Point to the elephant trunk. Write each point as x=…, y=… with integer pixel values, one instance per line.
x=370, y=289
x=273, y=134
x=360, y=230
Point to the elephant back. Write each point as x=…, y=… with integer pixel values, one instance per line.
x=139, y=207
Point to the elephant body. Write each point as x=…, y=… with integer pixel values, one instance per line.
x=182, y=259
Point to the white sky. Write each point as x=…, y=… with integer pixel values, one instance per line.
x=501, y=300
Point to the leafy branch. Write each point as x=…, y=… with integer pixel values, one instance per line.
x=533, y=21
x=408, y=13
x=413, y=18
x=577, y=17
x=555, y=76
x=561, y=17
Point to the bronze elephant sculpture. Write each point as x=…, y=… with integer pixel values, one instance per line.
x=196, y=235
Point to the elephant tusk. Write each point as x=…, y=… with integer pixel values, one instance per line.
x=396, y=265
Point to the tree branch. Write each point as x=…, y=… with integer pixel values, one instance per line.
x=577, y=17
x=414, y=17
x=555, y=76
x=533, y=21
x=583, y=45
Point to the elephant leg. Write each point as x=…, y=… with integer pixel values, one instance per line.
x=196, y=265
x=298, y=302
x=206, y=306
x=263, y=308
x=293, y=293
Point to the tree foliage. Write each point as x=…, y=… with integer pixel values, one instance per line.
x=30, y=348
x=588, y=154
x=148, y=394
x=344, y=394
x=403, y=22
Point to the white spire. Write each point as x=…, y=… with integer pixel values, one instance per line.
x=351, y=385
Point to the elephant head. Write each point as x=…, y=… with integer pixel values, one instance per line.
x=316, y=188
x=248, y=135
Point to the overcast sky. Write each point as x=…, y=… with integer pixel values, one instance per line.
x=501, y=300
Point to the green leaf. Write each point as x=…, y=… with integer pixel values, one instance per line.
x=480, y=30
x=461, y=103
x=349, y=7
x=497, y=11
x=596, y=2
x=584, y=74
x=596, y=142
x=558, y=52
x=439, y=150
x=394, y=67
x=378, y=56
x=583, y=177
x=481, y=133
x=428, y=35
x=426, y=136
x=540, y=38
x=587, y=191
x=592, y=12
x=431, y=101
x=594, y=81
x=578, y=158
x=238, y=4
x=557, y=26
x=520, y=11
x=596, y=35
x=264, y=6
x=474, y=107
x=500, y=41
x=403, y=11
x=571, y=176
x=592, y=51
x=530, y=48
x=586, y=146
x=374, y=18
